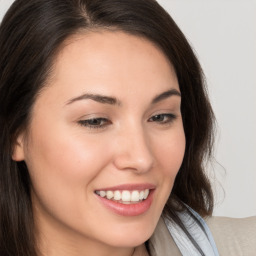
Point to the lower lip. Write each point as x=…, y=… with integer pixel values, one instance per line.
x=133, y=209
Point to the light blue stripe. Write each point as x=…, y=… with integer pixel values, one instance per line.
x=207, y=230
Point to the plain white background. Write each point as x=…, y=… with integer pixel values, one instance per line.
x=223, y=35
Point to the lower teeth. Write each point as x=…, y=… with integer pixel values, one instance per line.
x=128, y=202
x=124, y=202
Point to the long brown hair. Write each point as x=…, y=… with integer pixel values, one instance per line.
x=31, y=33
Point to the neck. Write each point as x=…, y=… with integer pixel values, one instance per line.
x=140, y=251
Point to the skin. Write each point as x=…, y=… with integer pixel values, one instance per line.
x=68, y=161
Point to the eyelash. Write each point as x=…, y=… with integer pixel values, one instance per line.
x=89, y=123
x=165, y=118
x=101, y=123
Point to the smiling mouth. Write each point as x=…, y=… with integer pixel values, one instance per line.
x=125, y=196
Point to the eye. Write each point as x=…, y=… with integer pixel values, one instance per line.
x=95, y=123
x=164, y=118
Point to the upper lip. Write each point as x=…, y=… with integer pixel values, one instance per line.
x=141, y=186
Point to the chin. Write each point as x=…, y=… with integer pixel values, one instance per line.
x=131, y=237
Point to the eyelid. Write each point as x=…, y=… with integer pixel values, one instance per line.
x=171, y=117
x=86, y=122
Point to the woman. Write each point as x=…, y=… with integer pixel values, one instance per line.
x=105, y=127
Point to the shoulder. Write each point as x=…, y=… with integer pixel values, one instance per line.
x=234, y=236
x=190, y=237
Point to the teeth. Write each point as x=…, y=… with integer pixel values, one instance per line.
x=117, y=195
x=102, y=193
x=135, y=196
x=141, y=195
x=110, y=194
x=124, y=196
x=146, y=193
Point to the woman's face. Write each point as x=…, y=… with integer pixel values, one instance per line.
x=105, y=131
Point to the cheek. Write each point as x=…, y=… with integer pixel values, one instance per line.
x=62, y=168
x=68, y=156
x=170, y=152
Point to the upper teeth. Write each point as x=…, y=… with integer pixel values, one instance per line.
x=125, y=195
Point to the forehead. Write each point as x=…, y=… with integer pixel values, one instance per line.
x=107, y=61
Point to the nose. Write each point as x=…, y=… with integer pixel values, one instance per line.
x=133, y=151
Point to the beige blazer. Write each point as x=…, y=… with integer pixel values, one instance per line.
x=233, y=237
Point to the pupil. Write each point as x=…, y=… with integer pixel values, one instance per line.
x=95, y=121
x=158, y=118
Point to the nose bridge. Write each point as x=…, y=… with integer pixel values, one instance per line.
x=134, y=149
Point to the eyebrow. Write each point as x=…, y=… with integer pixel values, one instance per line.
x=114, y=101
x=96, y=97
x=166, y=95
